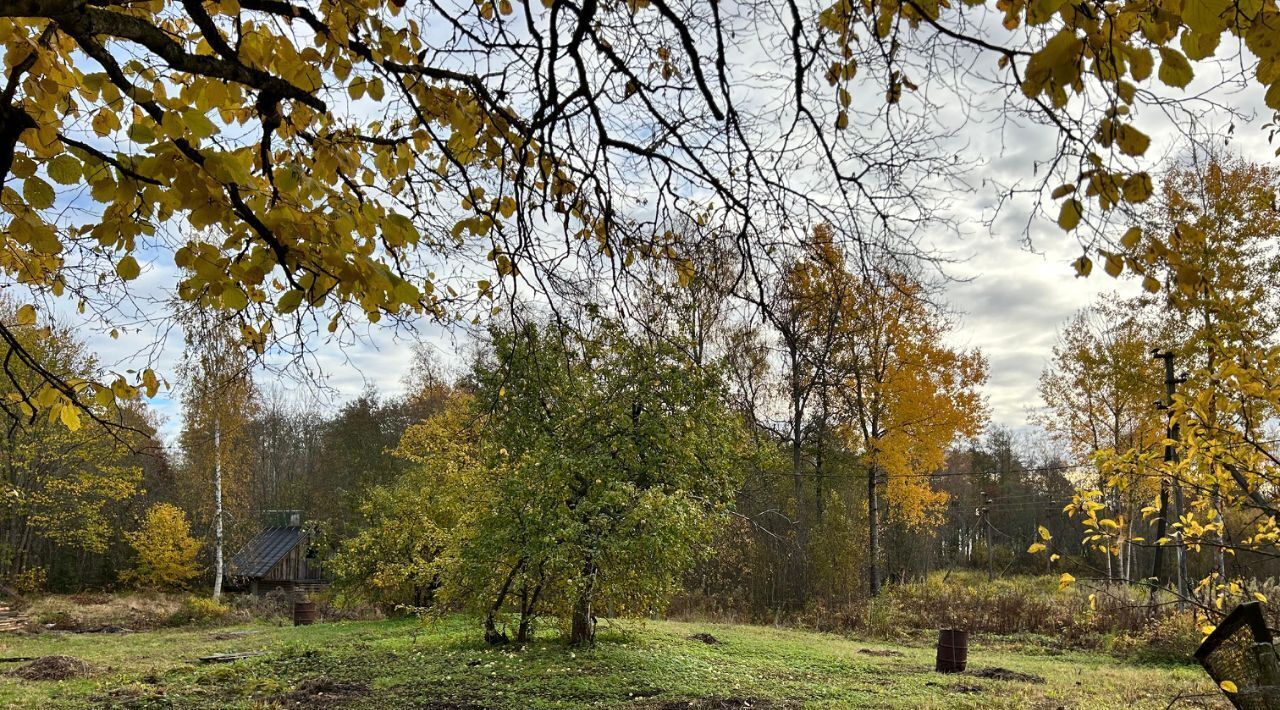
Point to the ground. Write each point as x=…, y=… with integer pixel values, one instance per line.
x=655, y=665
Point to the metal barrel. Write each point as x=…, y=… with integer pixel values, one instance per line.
x=304, y=613
x=953, y=651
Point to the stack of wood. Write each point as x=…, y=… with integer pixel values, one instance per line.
x=9, y=621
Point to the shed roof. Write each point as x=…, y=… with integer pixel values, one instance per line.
x=264, y=551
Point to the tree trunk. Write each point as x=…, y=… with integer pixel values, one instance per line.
x=873, y=534
x=491, y=634
x=582, y=631
x=528, y=602
x=217, y=512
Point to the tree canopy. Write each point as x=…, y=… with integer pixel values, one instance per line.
x=306, y=167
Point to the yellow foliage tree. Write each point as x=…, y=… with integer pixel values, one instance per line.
x=901, y=394
x=166, y=552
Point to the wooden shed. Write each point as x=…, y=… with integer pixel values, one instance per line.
x=279, y=557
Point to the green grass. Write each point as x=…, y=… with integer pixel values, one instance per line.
x=640, y=665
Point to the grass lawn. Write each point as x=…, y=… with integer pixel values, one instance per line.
x=654, y=665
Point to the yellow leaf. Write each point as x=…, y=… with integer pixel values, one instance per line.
x=1140, y=63
x=1131, y=141
x=1066, y=580
x=1114, y=264
x=64, y=169
x=70, y=417
x=150, y=382
x=127, y=268
x=1207, y=629
x=1228, y=686
x=234, y=299
x=1055, y=557
x=289, y=302
x=1137, y=188
x=198, y=124
x=1175, y=70
x=1150, y=285
x=27, y=314
x=1131, y=237
x=1044, y=534
x=1069, y=215
x=1036, y=547
x=39, y=194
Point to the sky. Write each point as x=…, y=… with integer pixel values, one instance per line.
x=1012, y=288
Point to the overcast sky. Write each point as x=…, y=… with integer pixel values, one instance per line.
x=1011, y=297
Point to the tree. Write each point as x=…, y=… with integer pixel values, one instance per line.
x=1213, y=234
x=894, y=389
x=323, y=212
x=598, y=467
x=399, y=556
x=219, y=402
x=63, y=487
x=166, y=552
x=1098, y=392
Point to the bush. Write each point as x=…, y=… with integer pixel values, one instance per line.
x=166, y=552
x=1114, y=617
x=199, y=611
x=1170, y=639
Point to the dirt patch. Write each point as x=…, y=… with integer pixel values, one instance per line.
x=997, y=673
x=322, y=692
x=726, y=704
x=90, y=598
x=883, y=652
x=705, y=638
x=52, y=668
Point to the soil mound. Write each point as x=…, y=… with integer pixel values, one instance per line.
x=52, y=668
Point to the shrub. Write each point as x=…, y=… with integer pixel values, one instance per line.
x=1170, y=639
x=166, y=552
x=29, y=581
x=199, y=611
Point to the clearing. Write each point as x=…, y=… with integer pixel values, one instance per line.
x=655, y=665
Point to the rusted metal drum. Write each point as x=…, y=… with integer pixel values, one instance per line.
x=953, y=651
x=304, y=613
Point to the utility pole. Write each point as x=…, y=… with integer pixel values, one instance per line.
x=986, y=516
x=1172, y=434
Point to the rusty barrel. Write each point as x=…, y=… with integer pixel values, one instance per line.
x=953, y=651
x=304, y=613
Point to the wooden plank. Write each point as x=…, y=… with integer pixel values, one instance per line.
x=229, y=657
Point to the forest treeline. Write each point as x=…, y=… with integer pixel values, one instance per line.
x=759, y=453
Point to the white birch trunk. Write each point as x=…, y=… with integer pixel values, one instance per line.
x=217, y=512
